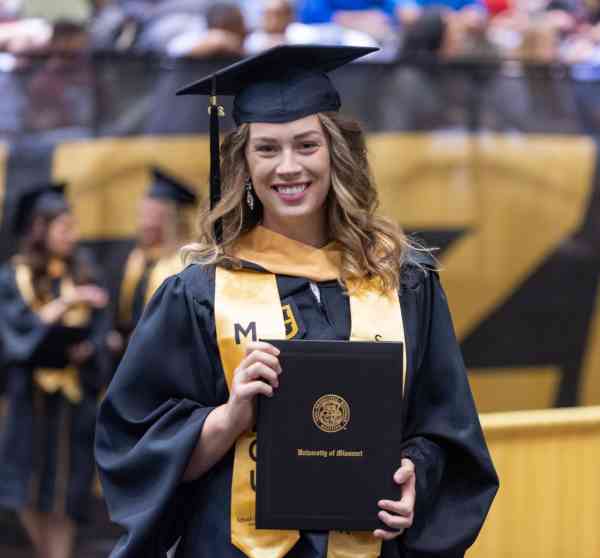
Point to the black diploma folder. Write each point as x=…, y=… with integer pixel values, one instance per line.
x=328, y=441
x=52, y=351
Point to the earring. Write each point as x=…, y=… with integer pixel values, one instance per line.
x=249, y=194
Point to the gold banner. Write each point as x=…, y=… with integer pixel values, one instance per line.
x=515, y=199
x=107, y=177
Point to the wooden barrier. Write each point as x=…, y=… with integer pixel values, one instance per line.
x=548, y=505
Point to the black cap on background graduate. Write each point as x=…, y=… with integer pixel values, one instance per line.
x=167, y=187
x=44, y=197
x=282, y=84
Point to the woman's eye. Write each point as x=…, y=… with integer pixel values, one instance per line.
x=309, y=145
x=265, y=148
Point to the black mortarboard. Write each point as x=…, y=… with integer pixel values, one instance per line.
x=167, y=187
x=282, y=84
x=47, y=196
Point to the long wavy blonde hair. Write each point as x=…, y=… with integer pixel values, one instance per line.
x=371, y=245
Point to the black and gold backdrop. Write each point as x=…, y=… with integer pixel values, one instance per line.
x=494, y=164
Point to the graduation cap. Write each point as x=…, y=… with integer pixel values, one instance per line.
x=46, y=196
x=282, y=84
x=167, y=187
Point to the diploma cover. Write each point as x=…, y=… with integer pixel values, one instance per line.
x=52, y=351
x=328, y=441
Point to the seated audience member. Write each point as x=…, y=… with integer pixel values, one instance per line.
x=471, y=13
x=376, y=18
x=416, y=97
x=146, y=26
x=280, y=27
x=59, y=91
x=224, y=36
x=276, y=17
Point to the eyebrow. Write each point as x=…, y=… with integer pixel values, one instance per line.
x=296, y=137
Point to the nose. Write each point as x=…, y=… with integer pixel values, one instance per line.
x=288, y=165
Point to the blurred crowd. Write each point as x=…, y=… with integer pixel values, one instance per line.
x=563, y=31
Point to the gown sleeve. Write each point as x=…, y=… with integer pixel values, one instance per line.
x=151, y=419
x=22, y=332
x=456, y=480
x=96, y=370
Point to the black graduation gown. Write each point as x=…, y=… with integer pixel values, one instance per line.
x=171, y=378
x=43, y=435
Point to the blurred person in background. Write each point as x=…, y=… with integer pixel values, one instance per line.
x=146, y=25
x=471, y=15
x=418, y=89
x=280, y=26
x=163, y=226
x=59, y=92
x=541, y=99
x=225, y=34
x=48, y=292
x=376, y=18
x=276, y=17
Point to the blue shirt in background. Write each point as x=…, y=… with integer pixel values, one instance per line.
x=321, y=11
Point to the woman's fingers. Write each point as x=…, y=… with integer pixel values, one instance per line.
x=268, y=359
x=91, y=294
x=386, y=535
x=261, y=346
x=251, y=389
x=398, y=522
x=260, y=371
x=398, y=515
x=406, y=470
x=400, y=507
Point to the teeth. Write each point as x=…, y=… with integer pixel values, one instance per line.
x=291, y=189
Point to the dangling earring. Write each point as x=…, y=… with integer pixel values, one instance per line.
x=249, y=194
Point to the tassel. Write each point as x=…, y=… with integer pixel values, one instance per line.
x=215, y=112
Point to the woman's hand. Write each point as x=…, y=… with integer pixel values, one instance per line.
x=88, y=294
x=398, y=515
x=258, y=373
x=84, y=294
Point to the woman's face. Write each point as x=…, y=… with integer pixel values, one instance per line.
x=62, y=235
x=291, y=170
x=155, y=218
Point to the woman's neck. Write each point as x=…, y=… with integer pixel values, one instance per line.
x=313, y=232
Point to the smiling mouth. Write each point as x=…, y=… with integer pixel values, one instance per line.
x=291, y=189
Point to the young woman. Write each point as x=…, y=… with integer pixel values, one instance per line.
x=296, y=249
x=52, y=327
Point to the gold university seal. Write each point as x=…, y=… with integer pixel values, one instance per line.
x=331, y=413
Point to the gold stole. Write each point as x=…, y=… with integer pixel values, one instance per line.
x=165, y=267
x=52, y=380
x=247, y=308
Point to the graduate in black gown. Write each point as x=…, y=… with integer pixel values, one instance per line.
x=52, y=330
x=162, y=229
x=293, y=248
